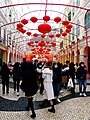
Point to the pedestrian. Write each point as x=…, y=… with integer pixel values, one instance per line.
x=72, y=75
x=30, y=86
x=16, y=77
x=5, y=77
x=48, y=86
x=56, y=80
x=81, y=77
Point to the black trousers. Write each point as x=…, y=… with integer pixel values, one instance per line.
x=5, y=83
x=16, y=85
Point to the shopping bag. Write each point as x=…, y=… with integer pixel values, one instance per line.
x=70, y=83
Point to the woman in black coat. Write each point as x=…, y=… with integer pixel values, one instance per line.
x=5, y=77
x=16, y=76
x=30, y=85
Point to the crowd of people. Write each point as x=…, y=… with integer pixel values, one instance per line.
x=49, y=78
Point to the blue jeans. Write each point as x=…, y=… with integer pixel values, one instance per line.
x=84, y=83
x=56, y=88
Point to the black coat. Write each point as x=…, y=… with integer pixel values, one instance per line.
x=81, y=73
x=29, y=79
x=17, y=72
x=5, y=73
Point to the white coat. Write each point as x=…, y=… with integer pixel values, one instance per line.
x=47, y=75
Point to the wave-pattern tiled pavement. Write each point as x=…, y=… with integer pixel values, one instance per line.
x=72, y=107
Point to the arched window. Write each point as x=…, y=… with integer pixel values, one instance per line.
x=87, y=19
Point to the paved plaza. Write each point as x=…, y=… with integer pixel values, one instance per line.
x=72, y=107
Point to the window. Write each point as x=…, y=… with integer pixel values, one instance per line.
x=87, y=19
x=78, y=2
x=78, y=28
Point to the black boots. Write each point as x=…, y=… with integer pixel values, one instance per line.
x=30, y=106
x=52, y=109
x=33, y=115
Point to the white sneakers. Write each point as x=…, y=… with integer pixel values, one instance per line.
x=80, y=94
x=17, y=93
x=84, y=94
x=58, y=100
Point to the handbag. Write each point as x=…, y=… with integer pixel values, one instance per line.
x=70, y=83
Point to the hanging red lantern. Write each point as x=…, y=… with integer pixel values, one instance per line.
x=23, y=31
x=53, y=44
x=69, y=26
x=43, y=35
x=44, y=28
x=29, y=43
x=57, y=19
x=19, y=25
x=40, y=49
x=65, y=22
x=64, y=34
x=33, y=49
x=19, y=29
x=47, y=42
x=58, y=35
x=35, y=34
x=36, y=41
x=46, y=18
x=41, y=43
x=68, y=30
x=28, y=33
x=33, y=19
x=48, y=49
x=24, y=21
x=51, y=35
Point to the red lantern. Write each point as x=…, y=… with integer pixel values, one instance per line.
x=40, y=49
x=19, y=25
x=68, y=30
x=53, y=44
x=43, y=35
x=64, y=34
x=58, y=35
x=51, y=35
x=65, y=22
x=44, y=28
x=69, y=26
x=28, y=33
x=24, y=21
x=19, y=29
x=35, y=34
x=36, y=41
x=46, y=18
x=57, y=19
x=33, y=19
x=41, y=43
x=47, y=42
x=22, y=30
x=48, y=49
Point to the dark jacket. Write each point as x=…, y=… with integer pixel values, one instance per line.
x=17, y=72
x=29, y=80
x=81, y=73
x=5, y=72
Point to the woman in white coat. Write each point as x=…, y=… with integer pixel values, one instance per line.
x=48, y=86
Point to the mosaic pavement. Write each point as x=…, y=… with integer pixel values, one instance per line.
x=72, y=107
